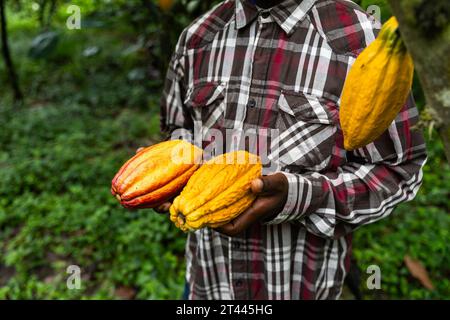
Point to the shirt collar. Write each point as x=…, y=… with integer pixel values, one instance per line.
x=287, y=14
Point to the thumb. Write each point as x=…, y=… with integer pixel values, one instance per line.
x=257, y=186
x=266, y=184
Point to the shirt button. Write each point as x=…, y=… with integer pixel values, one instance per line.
x=309, y=113
x=238, y=283
x=236, y=245
x=252, y=103
x=265, y=14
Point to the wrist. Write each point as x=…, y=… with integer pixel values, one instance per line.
x=297, y=187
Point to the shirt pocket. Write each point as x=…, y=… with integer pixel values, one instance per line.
x=207, y=103
x=306, y=133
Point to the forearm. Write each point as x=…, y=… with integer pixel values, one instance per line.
x=335, y=203
x=367, y=188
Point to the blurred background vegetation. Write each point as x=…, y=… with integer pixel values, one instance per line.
x=90, y=98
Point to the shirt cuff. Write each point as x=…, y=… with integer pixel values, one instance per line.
x=294, y=207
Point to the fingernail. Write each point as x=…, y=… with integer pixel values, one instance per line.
x=257, y=185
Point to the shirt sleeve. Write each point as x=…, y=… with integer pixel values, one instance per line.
x=176, y=122
x=375, y=178
x=367, y=188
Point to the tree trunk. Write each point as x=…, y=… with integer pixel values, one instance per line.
x=425, y=28
x=6, y=54
x=51, y=12
x=42, y=6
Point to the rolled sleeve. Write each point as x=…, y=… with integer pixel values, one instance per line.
x=299, y=195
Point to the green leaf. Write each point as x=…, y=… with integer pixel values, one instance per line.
x=43, y=45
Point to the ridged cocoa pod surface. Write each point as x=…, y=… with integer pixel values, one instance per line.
x=156, y=174
x=376, y=88
x=217, y=192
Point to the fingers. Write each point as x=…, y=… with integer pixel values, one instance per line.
x=163, y=208
x=272, y=193
x=238, y=225
x=140, y=149
x=260, y=209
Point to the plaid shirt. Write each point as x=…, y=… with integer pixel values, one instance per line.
x=283, y=69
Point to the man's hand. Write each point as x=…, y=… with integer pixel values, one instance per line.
x=163, y=208
x=272, y=193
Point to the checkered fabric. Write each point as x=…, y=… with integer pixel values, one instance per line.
x=281, y=71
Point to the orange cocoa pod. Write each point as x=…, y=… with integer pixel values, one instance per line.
x=156, y=174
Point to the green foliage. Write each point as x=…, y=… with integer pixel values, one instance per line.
x=56, y=209
x=419, y=229
x=43, y=45
x=88, y=108
x=91, y=101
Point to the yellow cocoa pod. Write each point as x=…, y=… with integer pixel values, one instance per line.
x=376, y=88
x=217, y=192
